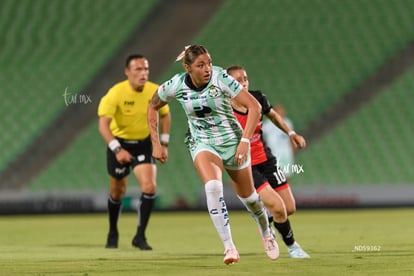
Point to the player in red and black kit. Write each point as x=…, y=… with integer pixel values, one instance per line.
x=269, y=180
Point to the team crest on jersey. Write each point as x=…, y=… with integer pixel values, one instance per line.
x=214, y=91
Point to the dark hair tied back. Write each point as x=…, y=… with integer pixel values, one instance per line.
x=191, y=52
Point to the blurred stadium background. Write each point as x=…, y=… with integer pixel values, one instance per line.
x=343, y=70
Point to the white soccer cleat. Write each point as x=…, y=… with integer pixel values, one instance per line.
x=271, y=247
x=231, y=256
x=270, y=244
x=296, y=252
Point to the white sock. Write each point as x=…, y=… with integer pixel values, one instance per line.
x=256, y=209
x=218, y=211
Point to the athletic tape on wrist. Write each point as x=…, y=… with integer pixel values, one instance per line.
x=245, y=140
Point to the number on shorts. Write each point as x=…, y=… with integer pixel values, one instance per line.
x=279, y=174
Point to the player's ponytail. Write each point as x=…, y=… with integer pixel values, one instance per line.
x=190, y=53
x=182, y=54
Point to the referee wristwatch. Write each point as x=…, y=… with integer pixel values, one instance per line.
x=116, y=150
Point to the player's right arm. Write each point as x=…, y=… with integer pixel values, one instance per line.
x=158, y=152
x=104, y=130
x=106, y=111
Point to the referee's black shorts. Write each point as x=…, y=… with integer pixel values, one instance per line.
x=269, y=172
x=141, y=151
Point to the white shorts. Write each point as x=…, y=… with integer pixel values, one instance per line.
x=226, y=152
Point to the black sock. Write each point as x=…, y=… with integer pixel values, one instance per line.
x=285, y=231
x=270, y=217
x=145, y=206
x=114, y=210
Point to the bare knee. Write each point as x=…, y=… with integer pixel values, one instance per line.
x=288, y=200
x=146, y=177
x=279, y=216
x=290, y=210
x=278, y=212
x=148, y=187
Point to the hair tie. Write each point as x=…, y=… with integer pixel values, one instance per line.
x=182, y=54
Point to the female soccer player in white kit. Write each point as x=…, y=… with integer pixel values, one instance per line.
x=218, y=141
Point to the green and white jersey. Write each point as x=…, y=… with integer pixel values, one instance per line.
x=208, y=109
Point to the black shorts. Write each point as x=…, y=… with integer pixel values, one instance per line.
x=141, y=151
x=269, y=172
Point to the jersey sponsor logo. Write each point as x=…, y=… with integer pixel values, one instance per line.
x=129, y=103
x=207, y=125
x=202, y=111
x=187, y=96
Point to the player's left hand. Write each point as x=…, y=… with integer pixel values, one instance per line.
x=297, y=141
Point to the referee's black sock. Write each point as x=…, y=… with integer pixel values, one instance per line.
x=285, y=231
x=146, y=204
x=114, y=210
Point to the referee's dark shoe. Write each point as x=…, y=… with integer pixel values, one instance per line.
x=112, y=240
x=141, y=243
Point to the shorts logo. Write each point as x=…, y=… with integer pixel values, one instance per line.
x=141, y=158
x=120, y=170
x=190, y=142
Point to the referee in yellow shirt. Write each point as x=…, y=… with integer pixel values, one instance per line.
x=123, y=125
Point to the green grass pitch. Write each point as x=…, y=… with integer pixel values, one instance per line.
x=340, y=242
